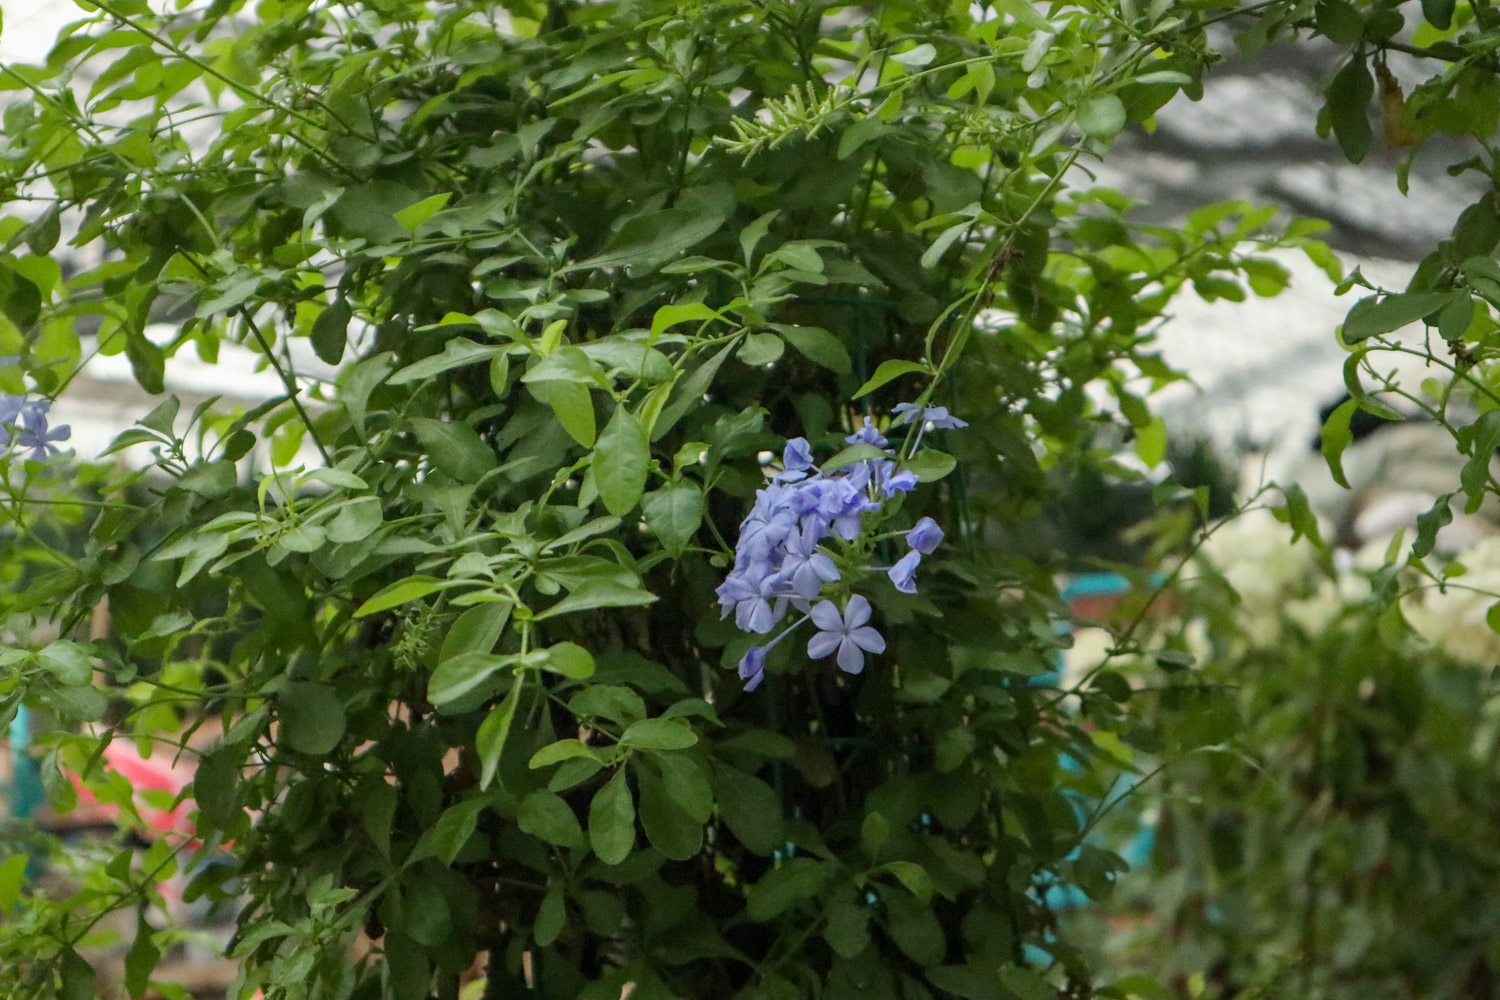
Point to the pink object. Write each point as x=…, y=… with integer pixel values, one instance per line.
x=155, y=774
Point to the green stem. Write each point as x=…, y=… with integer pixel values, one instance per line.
x=236, y=86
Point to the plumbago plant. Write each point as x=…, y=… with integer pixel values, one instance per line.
x=654, y=331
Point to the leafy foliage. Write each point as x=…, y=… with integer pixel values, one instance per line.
x=454, y=605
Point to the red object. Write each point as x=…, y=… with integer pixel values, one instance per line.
x=155, y=774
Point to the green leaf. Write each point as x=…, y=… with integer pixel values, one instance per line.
x=612, y=820
x=425, y=913
x=1175, y=78
x=455, y=448
x=1026, y=984
x=1101, y=116
x=573, y=404
x=864, y=130
x=911, y=875
x=846, y=926
x=887, y=371
x=916, y=57
x=566, y=364
x=1439, y=12
x=1025, y=12
x=1299, y=514
x=673, y=514
x=147, y=362
x=359, y=381
x=476, y=630
x=674, y=313
x=687, y=785
x=406, y=961
x=457, y=352
x=1372, y=317
x=77, y=977
x=1429, y=524
x=648, y=241
x=1348, y=95
x=601, y=593
x=460, y=675
x=750, y=809
x=658, y=734
x=1151, y=442
x=134, y=435
x=930, y=466
x=208, y=479
x=67, y=661
x=547, y=816
x=609, y=701
x=450, y=833
x=355, y=521
x=45, y=232
x=1339, y=22
x=330, y=331
x=410, y=589
x=689, y=392
x=215, y=786
x=933, y=254
x=817, y=345
x=668, y=827
x=412, y=216
x=1454, y=319
x=915, y=929
x=489, y=742
x=761, y=349
x=1482, y=438
x=780, y=888
x=752, y=234
x=232, y=294
x=562, y=750
x=620, y=461
x=854, y=453
x=551, y=917
x=312, y=717
x=12, y=879
x=1336, y=437
x=1143, y=987
x=571, y=660
x=377, y=810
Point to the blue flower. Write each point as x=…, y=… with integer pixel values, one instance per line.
x=750, y=595
x=10, y=414
x=42, y=444
x=893, y=481
x=842, y=503
x=932, y=417
x=904, y=573
x=34, y=433
x=925, y=537
x=796, y=459
x=30, y=419
x=847, y=634
x=867, y=434
x=806, y=568
x=753, y=667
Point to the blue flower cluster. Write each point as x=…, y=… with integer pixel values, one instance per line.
x=781, y=561
x=28, y=418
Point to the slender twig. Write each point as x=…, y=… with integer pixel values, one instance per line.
x=239, y=88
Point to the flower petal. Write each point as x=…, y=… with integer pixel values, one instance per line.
x=762, y=619
x=851, y=660
x=822, y=644
x=856, y=612
x=827, y=617
x=868, y=639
